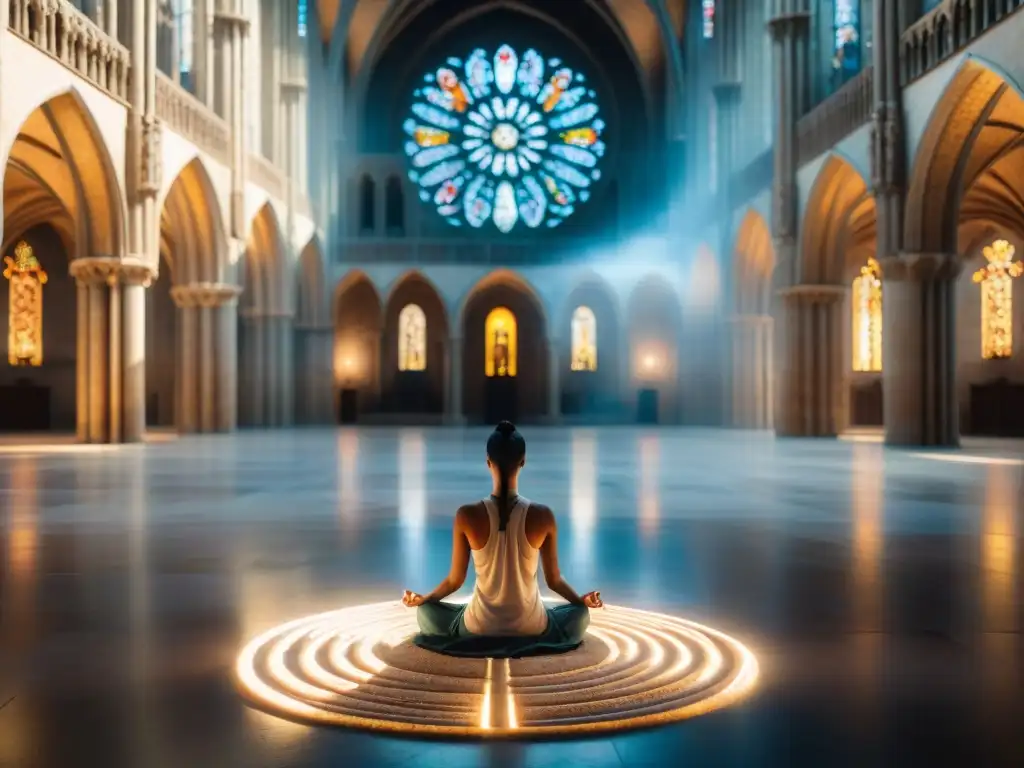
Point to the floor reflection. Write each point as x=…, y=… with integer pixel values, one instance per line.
x=583, y=506
x=880, y=587
x=348, y=482
x=412, y=507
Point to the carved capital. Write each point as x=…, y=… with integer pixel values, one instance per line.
x=813, y=294
x=151, y=162
x=103, y=269
x=789, y=25
x=205, y=294
x=921, y=267
x=886, y=150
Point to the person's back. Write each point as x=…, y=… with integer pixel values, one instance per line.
x=506, y=536
x=506, y=599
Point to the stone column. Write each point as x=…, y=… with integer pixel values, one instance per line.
x=111, y=347
x=454, y=412
x=554, y=382
x=231, y=32
x=314, y=374
x=919, y=349
x=811, y=393
x=206, y=382
x=750, y=404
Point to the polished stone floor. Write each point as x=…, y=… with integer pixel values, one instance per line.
x=882, y=591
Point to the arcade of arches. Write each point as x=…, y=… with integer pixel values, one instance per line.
x=105, y=344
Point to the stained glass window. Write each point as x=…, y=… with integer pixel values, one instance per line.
x=412, y=339
x=183, y=10
x=846, y=39
x=25, y=309
x=996, y=279
x=500, y=343
x=303, y=16
x=504, y=140
x=867, y=319
x=584, y=340
x=708, y=12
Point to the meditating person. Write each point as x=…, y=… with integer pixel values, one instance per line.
x=508, y=535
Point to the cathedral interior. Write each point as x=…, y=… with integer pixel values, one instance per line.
x=742, y=272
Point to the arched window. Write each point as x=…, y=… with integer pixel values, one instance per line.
x=867, y=319
x=367, y=215
x=584, y=340
x=394, y=206
x=996, y=279
x=412, y=339
x=25, y=307
x=846, y=49
x=183, y=14
x=500, y=343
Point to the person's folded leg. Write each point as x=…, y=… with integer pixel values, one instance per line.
x=439, y=618
x=572, y=621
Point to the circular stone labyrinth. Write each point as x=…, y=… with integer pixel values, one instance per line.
x=357, y=668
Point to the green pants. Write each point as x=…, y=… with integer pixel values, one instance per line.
x=443, y=629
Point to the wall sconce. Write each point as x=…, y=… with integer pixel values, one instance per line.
x=650, y=364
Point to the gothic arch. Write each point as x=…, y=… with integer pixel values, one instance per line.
x=591, y=390
x=498, y=278
x=838, y=224
x=265, y=268
x=357, y=314
x=504, y=288
x=192, y=234
x=753, y=265
x=311, y=309
x=58, y=170
x=424, y=391
x=654, y=330
x=973, y=130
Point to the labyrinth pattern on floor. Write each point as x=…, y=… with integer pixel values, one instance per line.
x=357, y=668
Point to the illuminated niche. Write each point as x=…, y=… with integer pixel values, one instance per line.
x=412, y=339
x=867, y=319
x=996, y=279
x=25, y=320
x=584, y=340
x=500, y=343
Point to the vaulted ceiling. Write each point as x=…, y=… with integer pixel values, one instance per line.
x=361, y=20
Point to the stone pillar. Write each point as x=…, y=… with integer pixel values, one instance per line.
x=554, y=382
x=268, y=370
x=314, y=374
x=750, y=404
x=919, y=349
x=888, y=148
x=111, y=347
x=454, y=411
x=810, y=379
x=206, y=386
x=226, y=359
x=231, y=32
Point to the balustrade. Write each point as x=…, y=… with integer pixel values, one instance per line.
x=63, y=32
x=947, y=28
x=836, y=117
x=185, y=114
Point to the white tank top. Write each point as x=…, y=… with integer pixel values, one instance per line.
x=506, y=599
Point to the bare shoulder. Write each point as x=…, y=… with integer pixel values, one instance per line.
x=468, y=513
x=541, y=515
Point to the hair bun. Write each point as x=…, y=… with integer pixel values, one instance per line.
x=505, y=428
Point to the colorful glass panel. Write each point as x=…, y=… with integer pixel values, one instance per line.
x=584, y=340
x=500, y=343
x=25, y=308
x=867, y=319
x=507, y=140
x=412, y=339
x=996, y=279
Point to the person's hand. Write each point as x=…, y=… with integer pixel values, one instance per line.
x=593, y=600
x=411, y=600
